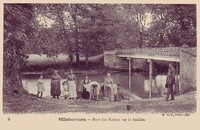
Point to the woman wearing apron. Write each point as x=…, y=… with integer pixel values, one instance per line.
x=71, y=81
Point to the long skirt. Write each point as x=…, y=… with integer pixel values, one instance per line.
x=55, y=88
x=110, y=91
x=72, y=89
x=65, y=93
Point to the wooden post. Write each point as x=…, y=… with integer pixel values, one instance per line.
x=177, y=81
x=129, y=77
x=150, y=76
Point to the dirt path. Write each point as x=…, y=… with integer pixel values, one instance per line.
x=183, y=103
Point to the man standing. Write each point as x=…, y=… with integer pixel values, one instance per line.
x=170, y=82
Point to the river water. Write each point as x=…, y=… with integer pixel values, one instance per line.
x=139, y=82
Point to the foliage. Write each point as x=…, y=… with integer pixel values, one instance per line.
x=172, y=25
x=17, y=30
x=89, y=29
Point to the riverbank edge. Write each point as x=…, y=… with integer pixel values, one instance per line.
x=183, y=103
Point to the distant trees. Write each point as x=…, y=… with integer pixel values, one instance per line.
x=78, y=29
x=89, y=29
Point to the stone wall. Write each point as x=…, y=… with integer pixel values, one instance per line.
x=188, y=69
x=165, y=51
x=112, y=61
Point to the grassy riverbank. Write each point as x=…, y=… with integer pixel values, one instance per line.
x=183, y=103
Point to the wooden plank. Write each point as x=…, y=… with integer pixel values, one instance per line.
x=150, y=76
x=177, y=81
x=153, y=57
x=129, y=68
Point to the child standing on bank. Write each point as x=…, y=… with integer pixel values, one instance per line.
x=65, y=89
x=40, y=86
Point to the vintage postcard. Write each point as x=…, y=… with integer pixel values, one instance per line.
x=99, y=64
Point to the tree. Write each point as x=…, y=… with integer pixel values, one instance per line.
x=172, y=25
x=138, y=15
x=56, y=38
x=17, y=29
x=75, y=10
x=93, y=31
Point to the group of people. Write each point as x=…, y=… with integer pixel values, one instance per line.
x=88, y=89
x=69, y=86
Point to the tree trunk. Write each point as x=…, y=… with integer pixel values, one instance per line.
x=15, y=78
x=77, y=58
x=86, y=60
x=76, y=44
x=161, y=39
x=141, y=39
x=71, y=58
x=74, y=17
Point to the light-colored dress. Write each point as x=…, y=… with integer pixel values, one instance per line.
x=65, y=90
x=40, y=85
x=84, y=89
x=84, y=84
x=71, y=78
x=90, y=87
x=110, y=88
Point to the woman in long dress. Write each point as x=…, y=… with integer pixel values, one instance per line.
x=55, y=85
x=110, y=87
x=71, y=81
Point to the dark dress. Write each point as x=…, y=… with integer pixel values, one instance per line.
x=170, y=82
x=55, y=85
x=85, y=94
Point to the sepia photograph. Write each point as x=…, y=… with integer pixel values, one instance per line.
x=97, y=58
